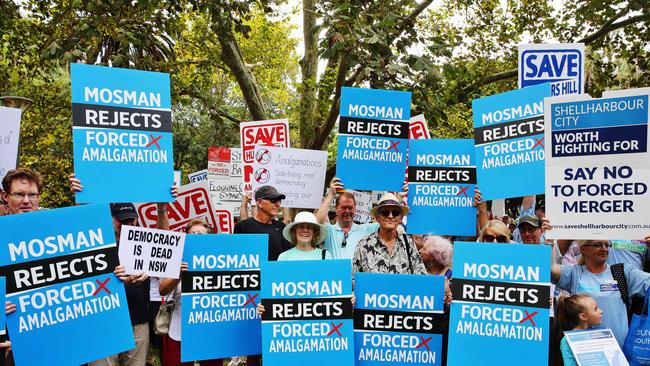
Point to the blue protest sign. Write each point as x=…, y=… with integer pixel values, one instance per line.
x=560, y=64
x=501, y=304
x=441, y=176
x=308, y=313
x=59, y=268
x=3, y=315
x=122, y=131
x=398, y=319
x=373, y=138
x=598, y=165
x=509, y=140
x=220, y=295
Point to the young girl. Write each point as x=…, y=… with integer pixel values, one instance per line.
x=575, y=312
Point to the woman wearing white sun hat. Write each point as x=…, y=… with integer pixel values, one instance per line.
x=306, y=234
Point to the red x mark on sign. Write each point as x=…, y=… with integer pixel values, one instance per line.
x=393, y=145
x=251, y=300
x=154, y=141
x=335, y=328
x=539, y=142
x=463, y=190
x=102, y=286
x=529, y=317
x=424, y=343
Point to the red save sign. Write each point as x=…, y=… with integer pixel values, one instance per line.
x=418, y=128
x=267, y=133
x=225, y=223
x=193, y=202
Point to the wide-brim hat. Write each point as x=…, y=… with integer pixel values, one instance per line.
x=389, y=200
x=306, y=217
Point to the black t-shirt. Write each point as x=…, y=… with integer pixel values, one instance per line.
x=277, y=242
x=137, y=297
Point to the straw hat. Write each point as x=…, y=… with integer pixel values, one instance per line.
x=389, y=200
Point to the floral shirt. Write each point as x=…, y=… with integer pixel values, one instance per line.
x=371, y=255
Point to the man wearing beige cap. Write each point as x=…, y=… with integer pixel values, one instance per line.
x=387, y=251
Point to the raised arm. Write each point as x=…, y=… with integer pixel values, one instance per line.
x=321, y=212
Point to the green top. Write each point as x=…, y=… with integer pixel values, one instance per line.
x=295, y=254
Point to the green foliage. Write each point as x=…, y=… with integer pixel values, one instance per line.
x=447, y=55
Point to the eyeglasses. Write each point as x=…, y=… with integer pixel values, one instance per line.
x=492, y=238
x=345, y=240
x=598, y=245
x=395, y=211
x=21, y=196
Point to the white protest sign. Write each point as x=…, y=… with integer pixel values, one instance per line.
x=193, y=202
x=157, y=253
x=595, y=347
x=560, y=64
x=198, y=176
x=297, y=173
x=225, y=178
x=598, y=166
x=363, y=202
x=9, y=134
x=418, y=128
x=267, y=133
x=177, y=178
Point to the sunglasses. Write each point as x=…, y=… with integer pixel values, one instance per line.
x=274, y=200
x=387, y=212
x=598, y=245
x=345, y=240
x=492, y=238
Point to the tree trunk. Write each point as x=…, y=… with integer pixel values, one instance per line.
x=309, y=69
x=232, y=56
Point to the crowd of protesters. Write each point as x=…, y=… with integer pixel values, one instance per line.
x=581, y=268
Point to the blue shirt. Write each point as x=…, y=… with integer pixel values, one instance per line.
x=603, y=288
x=335, y=236
x=567, y=355
x=295, y=254
x=631, y=252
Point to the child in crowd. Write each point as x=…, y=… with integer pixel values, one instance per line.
x=575, y=312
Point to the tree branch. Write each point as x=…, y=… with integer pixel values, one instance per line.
x=232, y=56
x=608, y=27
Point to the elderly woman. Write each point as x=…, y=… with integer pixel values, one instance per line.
x=306, y=234
x=436, y=253
x=606, y=284
x=495, y=231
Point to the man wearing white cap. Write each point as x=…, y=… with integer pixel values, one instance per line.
x=386, y=251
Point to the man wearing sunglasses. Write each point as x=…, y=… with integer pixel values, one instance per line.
x=342, y=237
x=387, y=251
x=268, y=201
x=21, y=190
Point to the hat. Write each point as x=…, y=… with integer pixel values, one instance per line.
x=268, y=193
x=123, y=211
x=305, y=217
x=529, y=219
x=388, y=200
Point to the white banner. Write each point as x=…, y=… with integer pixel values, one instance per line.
x=266, y=133
x=158, y=253
x=198, y=176
x=297, y=173
x=598, y=166
x=225, y=178
x=9, y=136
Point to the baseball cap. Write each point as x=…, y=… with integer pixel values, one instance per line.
x=268, y=193
x=529, y=219
x=123, y=211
